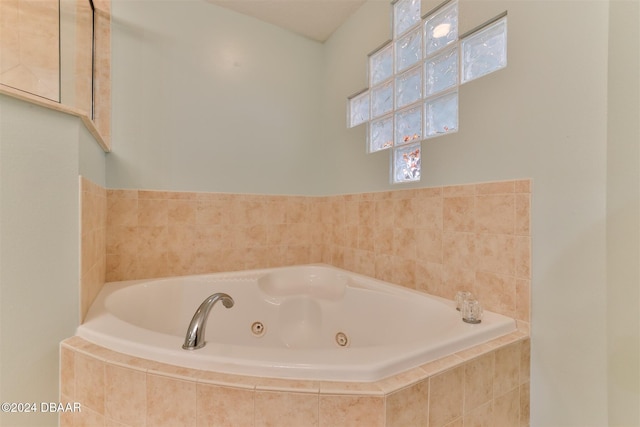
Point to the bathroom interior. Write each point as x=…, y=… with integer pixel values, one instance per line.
x=188, y=101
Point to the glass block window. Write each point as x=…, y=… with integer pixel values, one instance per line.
x=409, y=87
x=381, y=65
x=441, y=28
x=406, y=163
x=441, y=115
x=414, y=80
x=359, y=107
x=382, y=99
x=408, y=125
x=485, y=51
x=406, y=14
x=408, y=50
x=441, y=72
x=381, y=134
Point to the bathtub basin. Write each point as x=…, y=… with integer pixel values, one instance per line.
x=312, y=322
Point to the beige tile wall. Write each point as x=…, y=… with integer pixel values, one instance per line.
x=474, y=237
x=434, y=239
x=487, y=385
x=154, y=234
x=29, y=39
x=93, y=226
x=77, y=74
x=30, y=59
x=439, y=240
x=102, y=72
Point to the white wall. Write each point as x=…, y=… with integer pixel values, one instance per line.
x=39, y=251
x=205, y=99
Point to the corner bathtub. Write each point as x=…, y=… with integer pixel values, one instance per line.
x=311, y=322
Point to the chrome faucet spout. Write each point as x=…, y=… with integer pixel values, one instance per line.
x=195, y=333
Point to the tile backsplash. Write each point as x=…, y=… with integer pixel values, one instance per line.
x=486, y=385
x=438, y=240
x=154, y=234
x=93, y=226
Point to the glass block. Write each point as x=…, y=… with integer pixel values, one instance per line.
x=408, y=125
x=406, y=163
x=381, y=134
x=441, y=115
x=485, y=51
x=382, y=99
x=441, y=28
x=406, y=14
x=409, y=87
x=442, y=72
x=408, y=50
x=381, y=65
x=359, y=109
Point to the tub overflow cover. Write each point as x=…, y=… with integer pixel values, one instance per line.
x=342, y=339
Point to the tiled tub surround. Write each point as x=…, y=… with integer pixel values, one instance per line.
x=154, y=234
x=438, y=240
x=93, y=226
x=485, y=385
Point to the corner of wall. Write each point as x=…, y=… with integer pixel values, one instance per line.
x=102, y=76
x=93, y=227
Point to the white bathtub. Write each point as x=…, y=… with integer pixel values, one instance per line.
x=389, y=328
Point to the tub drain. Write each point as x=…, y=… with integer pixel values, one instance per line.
x=258, y=329
x=341, y=339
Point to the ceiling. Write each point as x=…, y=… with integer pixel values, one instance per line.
x=315, y=19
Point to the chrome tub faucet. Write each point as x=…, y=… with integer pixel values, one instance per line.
x=195, y=333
